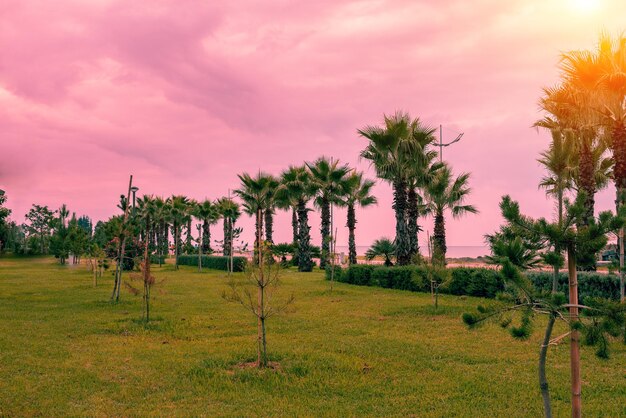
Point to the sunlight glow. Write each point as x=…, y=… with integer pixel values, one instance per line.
x=585, y=6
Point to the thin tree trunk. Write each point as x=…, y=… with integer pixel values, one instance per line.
x=351, y=224
x=543, y=381
x=574, y=335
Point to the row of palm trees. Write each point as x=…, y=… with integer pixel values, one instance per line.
x=402, y=153
x=586, y=115
x=158, y=216
x=324, y=182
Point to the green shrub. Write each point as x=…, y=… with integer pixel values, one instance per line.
x=359, y=274
x=154, y=259
x=338, y=273
x=463, y=281
x=589, y=284
x=474, y=282
x=213, y=262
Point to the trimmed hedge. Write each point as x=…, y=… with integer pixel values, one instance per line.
x=480, y=282
x=463, y=281
x=213, y=262
x=589, y=284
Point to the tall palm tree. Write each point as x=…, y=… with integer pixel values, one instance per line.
x=423, y=166
x=390, y=151
x=270, y=207
x=445, y=193
x=296, y=184
x=230, y=212
x=558, y=161
x=161, y=218
x=208, y=214
x=327, y=177
x=357, y=192
x=255, y=192
x=178, y=211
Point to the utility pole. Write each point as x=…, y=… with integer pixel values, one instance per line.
x=441, y=144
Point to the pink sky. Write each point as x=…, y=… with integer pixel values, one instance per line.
x=186, y=94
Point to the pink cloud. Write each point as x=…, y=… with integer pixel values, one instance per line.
x=186, y=94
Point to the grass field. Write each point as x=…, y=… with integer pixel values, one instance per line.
x=65, y=350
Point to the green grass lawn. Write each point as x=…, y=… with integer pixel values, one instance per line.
x=358, y=351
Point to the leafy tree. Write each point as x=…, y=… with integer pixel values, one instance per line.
x=445, y=193
x=4, y=224
x=40, y=223
x=383, y=247
x=357, y=192
x=327, y=177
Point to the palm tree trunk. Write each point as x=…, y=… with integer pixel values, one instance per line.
x=206, y=237
x=226, y=250
x=269, y=225
x=412, y=227
x=403, y=255
x=587, y=261
x=439, y=239
x=618, y=136
x=294, y=224
x=176, y=233
x=304, y=239
x=325, y=232
x=351, y=241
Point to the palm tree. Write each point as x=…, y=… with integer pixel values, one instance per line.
x=189, y=214
x=207, y=212
x=296, y=185
x=255, y=193
x=443, y=194
x=422, y=168
x=327, y=177
x=161, y=218
x=383, y=247
x=357, y=192
x=391, y=150
x=178, y=211
x=270, y=207
x=229, y=211
x=285, y=200
x=558, y=161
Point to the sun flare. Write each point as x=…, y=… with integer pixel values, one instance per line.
x=585, y=6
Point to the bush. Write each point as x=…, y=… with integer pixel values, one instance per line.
x=213, y=262
x=463, y=281
x=338, y=273
x=474, y=282
x=589, y=284
x=154, y=259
